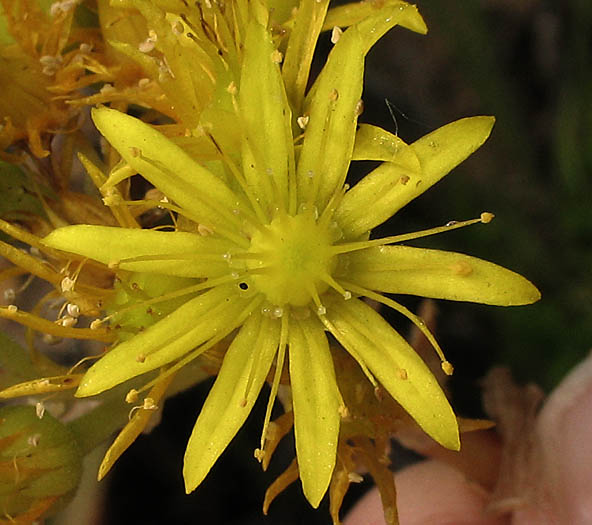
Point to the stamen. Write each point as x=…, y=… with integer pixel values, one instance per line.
x=260, y=453
x=49, y=327
x=118, y=174
x=415, y=319
x=167, y=257
x=312, y=290
x=335, y=285
x=485, y=218
x=332, y=205
x=83, y=360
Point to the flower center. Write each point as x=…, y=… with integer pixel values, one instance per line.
x=293, y=259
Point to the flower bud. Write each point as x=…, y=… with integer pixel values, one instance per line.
x=40, y=463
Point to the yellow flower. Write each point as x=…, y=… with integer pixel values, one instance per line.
x=279, y=247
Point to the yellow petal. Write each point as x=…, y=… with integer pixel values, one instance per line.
x=198, y=256
x=445, y=148
x=394, y=363
x=232, y=397
x=296, y=68
x=439, y=274
x=268, y=151
x=351, y=13
x=392, y=185
x=169, y=168
x=334, y=107
x=374, y=143
x=377, y=196
x=214, y=313
x=316, y=401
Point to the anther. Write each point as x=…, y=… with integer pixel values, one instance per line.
x=131, y=396
x=96, y=324
x=277, y=56
x=354, y=477
x=359, y=107
x=336, y=34
x=67, y=284
x=33, y=440
x=447, y=367
x=303, y=121
x=73, y=310
x=487, y=217
x=39, y=409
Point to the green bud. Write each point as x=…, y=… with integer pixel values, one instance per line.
x=40, y=463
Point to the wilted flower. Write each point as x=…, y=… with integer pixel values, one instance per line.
x=278, y=249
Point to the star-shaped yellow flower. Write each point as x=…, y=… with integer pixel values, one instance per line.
x=281, y=256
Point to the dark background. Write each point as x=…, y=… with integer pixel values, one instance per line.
x=528, y=63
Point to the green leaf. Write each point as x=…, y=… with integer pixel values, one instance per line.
x=245, y=367
x=316, y=401
x=394, y=363
x=440, y=275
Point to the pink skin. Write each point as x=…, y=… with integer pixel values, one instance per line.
x=555, y=481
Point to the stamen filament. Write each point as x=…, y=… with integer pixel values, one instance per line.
x=350, y=348
x=210, y=283
x=51, y=328
x=415, y=319
x=260, y=454
x=336, y=286
x=361, y=245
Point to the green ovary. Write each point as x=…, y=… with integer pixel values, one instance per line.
x=293, y=259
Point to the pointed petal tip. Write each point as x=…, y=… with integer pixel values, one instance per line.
x=85, y=389
x=190, y=480
x=313, y=495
